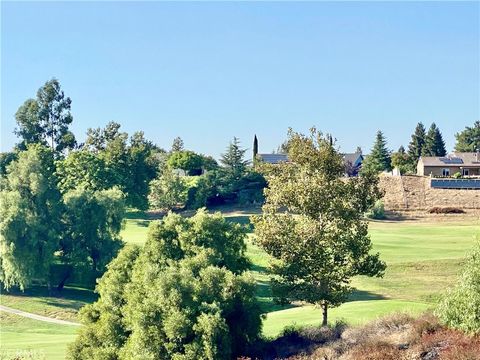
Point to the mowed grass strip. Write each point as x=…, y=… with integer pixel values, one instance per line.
x=62, y=305
x=354, y=313
x=22, y=336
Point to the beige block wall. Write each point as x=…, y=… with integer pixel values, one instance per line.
x=415, y=193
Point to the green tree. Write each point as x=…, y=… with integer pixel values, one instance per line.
x=468, y=140
x=28, y=127
x=46, y=119
x=417, y=143
x=434, y=144
x=167, y=192
x=177, y=145
x=186, y=160
x=130, y=165
x=460, y=308
x=142, y=168
x=83, y=168
x=209, y=163
x=6, y=159
x=93, y=221
x=183, y=296
x=30, y=204
x=313, y=226
x=401, y=160
x=234, y=159
x=105, y=332
x=379, y=159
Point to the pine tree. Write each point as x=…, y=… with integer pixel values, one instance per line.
x=417, y=143
x=379, y=158
x=234, y=159
x=434, y=144
x=468, y=140
x=177, y=144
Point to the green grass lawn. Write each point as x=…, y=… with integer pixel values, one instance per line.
x=37, y=339
x=423, y=258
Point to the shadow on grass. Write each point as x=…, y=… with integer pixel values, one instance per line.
x=362, y=295
x=140, y=223
x=68, y=298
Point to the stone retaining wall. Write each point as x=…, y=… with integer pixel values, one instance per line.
x=414, y=193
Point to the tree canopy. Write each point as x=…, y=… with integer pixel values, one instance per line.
x=379, y=158
x=30, y=229
x=401, y=160
x=46, y=119
x=186, y=160
x=434, y=144
x=312, y=224
x=233, y=160
x=183, y=296
x=93, y=220
x=417, y=143
x=468, y=140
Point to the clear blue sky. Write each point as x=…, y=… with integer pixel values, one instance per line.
x=211, y=71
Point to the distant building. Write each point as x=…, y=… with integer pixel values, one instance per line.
x=467, y=164
x=272, y=158
x=353, y=163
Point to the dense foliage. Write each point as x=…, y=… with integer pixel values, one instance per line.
x=168, y=192
x=45, y=120
x=460, y=308
x=468, y=140
x=91, y=238
x=186, y=160
x=129, y=164
x=434, y=144
x=379, y=159
x=30, y=230
x=401, y=161
x=312, y=224
x=183, y=296
x=47, y=236
x=415, y=147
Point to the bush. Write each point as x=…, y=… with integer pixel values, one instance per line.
x=460, y=308
x=457, y=175
x=378, y=211
x=199, y=191
x=446, y=210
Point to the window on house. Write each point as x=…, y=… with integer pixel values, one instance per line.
x=445, y=172
x=466, y=172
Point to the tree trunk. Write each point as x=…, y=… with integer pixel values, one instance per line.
x=324, y=313
x=66, y=276
x=62, y=283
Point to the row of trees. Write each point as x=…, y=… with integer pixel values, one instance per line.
x=48, y=234
x=231, y=181
x=422, y=143
x=66, y=201
x=186, y=294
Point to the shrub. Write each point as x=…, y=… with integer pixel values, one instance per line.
x=457, y=175
x=445, y=210
x=378, y=211
x=460, y=308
